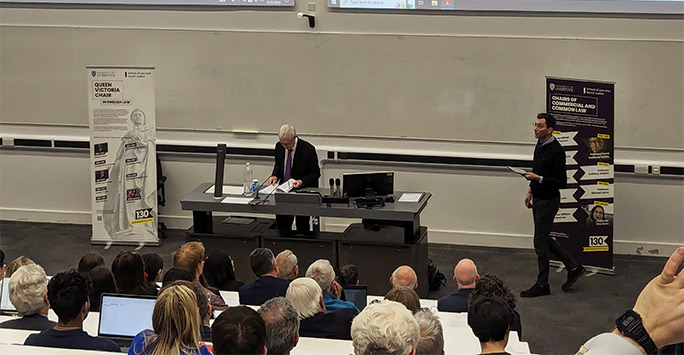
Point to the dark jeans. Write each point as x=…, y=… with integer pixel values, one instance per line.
x=543, y=212
x=284, y=223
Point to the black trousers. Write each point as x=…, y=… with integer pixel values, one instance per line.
x=543, y=212
x=284, y=223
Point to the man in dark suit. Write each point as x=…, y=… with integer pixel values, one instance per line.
x=268, y=286
x=295, y=159
x=465, y=276
x=547, y=177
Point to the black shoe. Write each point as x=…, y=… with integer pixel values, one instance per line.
x=573, y=276
x=536, y=290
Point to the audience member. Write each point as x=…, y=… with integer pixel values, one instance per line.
x=305, y=295
x=465, y=276
x=323, y=273
x=16, y=264
x=205, y=311
x=386, y=327
x=404, y=276
x=658, y=312
x=176, y=273
x=89, y=261
x=103, y=282
x=286, y=261
x=282, y=325
x=68, y=296
x=176, y=324
x=406, y=296
x=349, y=275
x=154, y=268
x=2, y=264
x=28, y=294
x=268, y=285
x=431, y=334
x=239, y=330
x=190, y=256
x=219, y=271
x=491, y=319
x=128, y=269
x=490, y=286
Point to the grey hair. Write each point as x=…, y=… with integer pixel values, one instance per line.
x=431, y=333
x=305, y=296
x=321, y=271
x=287, y=131
x=286, y=261
x=386, y=326
x=27, y=289
x=282, y=325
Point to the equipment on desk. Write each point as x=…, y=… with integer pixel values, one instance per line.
x=356, y=294
x=6, y=307
x=371, y=189
x=122, y=317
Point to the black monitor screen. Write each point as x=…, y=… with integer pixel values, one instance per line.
x=380, y=183
x=356, y=294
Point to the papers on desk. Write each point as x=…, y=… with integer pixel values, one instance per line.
x=227, y=190
x=410, y=197
x=284, y=187
x=237, y=200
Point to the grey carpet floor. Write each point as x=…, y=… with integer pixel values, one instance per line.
x=556, y=324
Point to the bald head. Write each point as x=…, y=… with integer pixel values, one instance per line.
x=404, y=276
x=465, y=274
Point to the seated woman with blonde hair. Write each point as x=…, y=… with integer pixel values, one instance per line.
x=176, y=324
x=190, y=256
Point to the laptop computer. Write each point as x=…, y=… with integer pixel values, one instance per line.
x=357, y=295
x=6, y=306
x=122, y=317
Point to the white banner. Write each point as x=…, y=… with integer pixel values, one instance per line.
x=123, y=154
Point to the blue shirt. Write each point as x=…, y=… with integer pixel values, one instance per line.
x=138, y=346
x=333, y=303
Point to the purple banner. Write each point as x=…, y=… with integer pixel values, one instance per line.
x=584, y=112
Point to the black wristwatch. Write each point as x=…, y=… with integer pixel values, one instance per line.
x=630, y=325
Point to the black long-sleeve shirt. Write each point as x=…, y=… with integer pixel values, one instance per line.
x=549, y=162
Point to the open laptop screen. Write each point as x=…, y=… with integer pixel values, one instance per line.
x=124, y=316
x=356, y=294
x=5, y=304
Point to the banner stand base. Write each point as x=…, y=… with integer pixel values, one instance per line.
x=136, y=243
x=590, y=269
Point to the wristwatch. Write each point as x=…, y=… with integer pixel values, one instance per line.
x=630, y=325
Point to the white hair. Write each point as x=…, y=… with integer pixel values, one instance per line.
x=305, y=296
x=286, y=261
x=321, y=271
x=287, y=131
x=386, y=326
x=431, y=333
x=27, y=289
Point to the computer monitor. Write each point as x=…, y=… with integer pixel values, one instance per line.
x=6, y=305
x=356, y=294
x=368, y=185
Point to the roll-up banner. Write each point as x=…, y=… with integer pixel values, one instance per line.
x=123, y=154
x=584, y=112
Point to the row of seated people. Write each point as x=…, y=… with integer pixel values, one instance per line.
x=490, y=315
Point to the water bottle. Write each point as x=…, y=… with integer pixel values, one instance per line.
x=247, y=180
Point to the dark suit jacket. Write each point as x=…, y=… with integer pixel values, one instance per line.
x=262, y=290
x=304, y=165
x=333, y=325
x=455, y=302
x=32, y=322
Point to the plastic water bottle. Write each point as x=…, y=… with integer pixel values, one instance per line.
x=247, y=180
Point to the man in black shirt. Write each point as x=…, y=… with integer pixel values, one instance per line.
x=543, y=197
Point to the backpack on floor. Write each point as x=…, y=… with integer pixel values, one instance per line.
x=435, y=278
